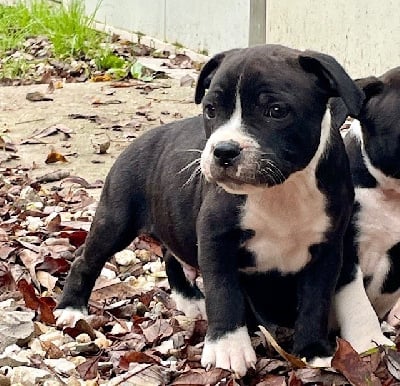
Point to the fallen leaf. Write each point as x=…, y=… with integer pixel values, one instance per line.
x=54, y=129
x=348, y=362
x=53, y=176
x=89, y=369
x=81, y=327
x=201, y=377
x=37, y=97
x=54, y=265
x=137, y=357
x=297, y=363
x=52, y=351
x=392, y=360
x=7, y=282
x=53, y=157
x=160, y=329
x=46, y=280
x=187, y=81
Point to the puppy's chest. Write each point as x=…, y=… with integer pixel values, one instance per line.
x=378, y=226
x=286, y=221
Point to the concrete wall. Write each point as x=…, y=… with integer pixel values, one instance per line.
x=364, y=35
x=210, y=25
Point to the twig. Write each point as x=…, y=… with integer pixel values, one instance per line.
x=30, y=121
x=130, y=375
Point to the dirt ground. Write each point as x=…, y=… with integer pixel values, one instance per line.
x=107, y=115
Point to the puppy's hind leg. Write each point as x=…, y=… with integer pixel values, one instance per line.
x=185, y=292
x=357, y=320
x=117, y=222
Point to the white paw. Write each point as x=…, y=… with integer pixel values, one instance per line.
x=372, y=342
x=68, y=317
x=321, y=362
x=192, y=308
x=231, y=352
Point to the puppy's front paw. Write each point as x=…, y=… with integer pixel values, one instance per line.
x=231, y=352
x=320, y=362
x=193, y=308
x=67, y=317
x=371, y=342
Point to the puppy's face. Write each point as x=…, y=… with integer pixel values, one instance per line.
x=380, y=122
x=263, y=116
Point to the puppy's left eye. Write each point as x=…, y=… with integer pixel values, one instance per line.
x=277, y=111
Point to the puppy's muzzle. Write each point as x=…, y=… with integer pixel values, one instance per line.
x=226, y=153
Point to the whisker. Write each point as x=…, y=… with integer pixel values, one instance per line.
x=192, y=150
x=190, y=164
x=192, y=176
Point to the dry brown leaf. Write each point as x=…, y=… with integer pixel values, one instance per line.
x=37, y=97
x=201, y=377
x=52, y=351
x=160, y=329
x=55, y=157
x=296, y=362
x=348, y=362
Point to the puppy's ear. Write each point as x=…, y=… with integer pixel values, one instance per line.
x=371, y=86
x=335, y=78
x=207, y=73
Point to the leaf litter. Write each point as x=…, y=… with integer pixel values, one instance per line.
x=134, y=335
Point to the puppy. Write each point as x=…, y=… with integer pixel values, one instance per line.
x=373, y=146
x=259, y=183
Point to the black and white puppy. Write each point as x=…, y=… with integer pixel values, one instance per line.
x=373, y=146
x=276, y=198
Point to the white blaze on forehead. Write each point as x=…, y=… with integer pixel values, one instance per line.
x=231, y=130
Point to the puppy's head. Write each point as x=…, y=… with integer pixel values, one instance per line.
x=263, y=113
x=380, y=123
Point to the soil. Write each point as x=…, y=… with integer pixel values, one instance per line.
x=110, y=115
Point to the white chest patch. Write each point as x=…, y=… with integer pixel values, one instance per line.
x=287, y=220
x=378, y=231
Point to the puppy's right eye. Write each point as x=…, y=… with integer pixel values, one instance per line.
x=209, y=111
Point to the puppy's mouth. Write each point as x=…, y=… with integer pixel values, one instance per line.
x=248, y=169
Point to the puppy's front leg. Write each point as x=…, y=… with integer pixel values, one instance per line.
x=227, y=343
x=316, y=286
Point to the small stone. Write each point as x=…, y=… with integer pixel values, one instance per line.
x=28, y=376
x=143, y=255
x=61, y=365
x=15, y=327
x=126, y=257
x=83, y=338
x=108, y=273
x=103, y=342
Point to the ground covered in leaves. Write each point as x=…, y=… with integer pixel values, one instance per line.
x=134, y=335
x=58, y=140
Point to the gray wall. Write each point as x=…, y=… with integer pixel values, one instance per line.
x=364, y=35
x=199, y=25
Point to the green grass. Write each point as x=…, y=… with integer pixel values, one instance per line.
x=67, y=27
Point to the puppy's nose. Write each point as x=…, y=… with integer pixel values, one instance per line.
x=226, y=152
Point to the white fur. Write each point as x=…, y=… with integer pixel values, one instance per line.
x=69, y=316
x=232, y=352
x=192, y=308
x=321, y=362
x=288, y=218
x=384, y=182
x=357, y=319
x=378, y=230
x=230, y=130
